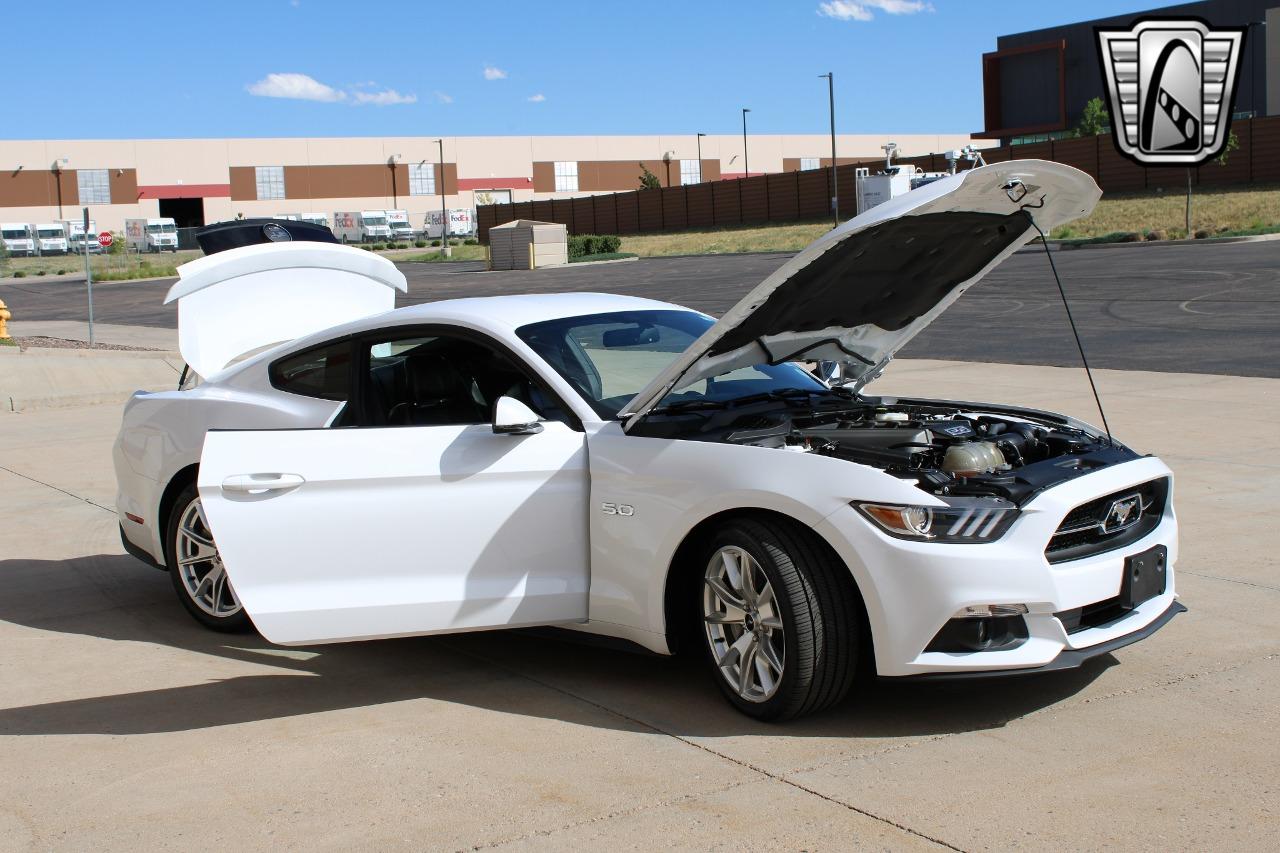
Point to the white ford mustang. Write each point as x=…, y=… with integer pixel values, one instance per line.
x=635, y=469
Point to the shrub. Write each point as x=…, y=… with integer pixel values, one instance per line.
x=61, y=272
x=435, y=242
x=1157, y=234
x=377, y=247
x=118, y=246
x=593, y=244
x=421, y=244
x=1203, y=234
x=471, y=241
x=454, y=241
x=1130, y=237
x=19, y=274
x=41, y=272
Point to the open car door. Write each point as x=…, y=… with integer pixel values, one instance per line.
x=352, y=534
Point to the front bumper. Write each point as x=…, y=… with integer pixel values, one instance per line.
x=1066, y=659
x=912, y=589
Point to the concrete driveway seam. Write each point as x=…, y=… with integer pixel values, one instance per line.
x=57, y=489
x=1229, y=580
x=746, y=765
x=613, y=815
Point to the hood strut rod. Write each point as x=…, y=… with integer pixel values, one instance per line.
x=1044, y=241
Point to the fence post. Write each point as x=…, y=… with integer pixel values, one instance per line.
x=798, y=196
x=741, y=217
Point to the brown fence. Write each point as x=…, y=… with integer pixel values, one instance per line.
x=800, y=196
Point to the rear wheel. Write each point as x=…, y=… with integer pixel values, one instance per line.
x=781, y=623
x=196, y=569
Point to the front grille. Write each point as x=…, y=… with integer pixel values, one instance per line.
x=1092, y=528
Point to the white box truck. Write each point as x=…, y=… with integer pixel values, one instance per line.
x=76, y=238
x=157, y=234
x=316, y=219
x=461, y=223
x=18, y=239
x=398, y=222
x=51, y=238
x=361, y=226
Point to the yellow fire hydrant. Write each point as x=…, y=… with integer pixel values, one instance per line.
x=5, y=317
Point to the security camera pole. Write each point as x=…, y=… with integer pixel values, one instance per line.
x=88, y=273
x=444, y=213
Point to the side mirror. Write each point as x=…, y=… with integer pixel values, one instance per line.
x=832, y=373
x=511, y=417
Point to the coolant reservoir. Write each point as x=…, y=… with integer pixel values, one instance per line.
x=892, y=417
x=972, y=457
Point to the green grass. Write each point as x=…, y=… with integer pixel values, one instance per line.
x=1218, y=210
x=8, y=342
x=603, y=256
x=460, y=253
x=106, y=267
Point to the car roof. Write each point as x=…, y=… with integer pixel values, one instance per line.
x=519, y=310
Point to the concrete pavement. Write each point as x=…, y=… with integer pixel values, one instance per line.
x=124, y=725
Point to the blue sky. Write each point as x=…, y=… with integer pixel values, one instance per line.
x=186, y=69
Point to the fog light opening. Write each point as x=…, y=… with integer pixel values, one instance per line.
x=978, y=632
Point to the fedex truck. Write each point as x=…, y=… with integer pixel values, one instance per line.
x=77, y=240
x=157, y=234
x=51, y=238
x=18, y=239
x=361, y=226
x=461, y=223
x=398, y=222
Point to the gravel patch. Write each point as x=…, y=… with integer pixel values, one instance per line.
x=43, y=342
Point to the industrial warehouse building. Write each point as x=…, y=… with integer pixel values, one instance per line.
x=197, y=181
x=1036, y=84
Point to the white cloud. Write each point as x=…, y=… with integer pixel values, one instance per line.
x=443, y=98
x=536, y=99
x=862, y=10
x=385, y=98
x=298, y=87
x=494, y=73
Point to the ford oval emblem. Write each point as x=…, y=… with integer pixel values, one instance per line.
x=276, y=233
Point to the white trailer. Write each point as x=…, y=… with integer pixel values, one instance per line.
x=18, y=239
x=51, y=238
x=398, y=222
x=157, y=234
x=76, y=238
x=316, y=219
x=361, y=226
x=462, y=223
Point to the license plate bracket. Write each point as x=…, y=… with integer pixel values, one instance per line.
x=1145, y=576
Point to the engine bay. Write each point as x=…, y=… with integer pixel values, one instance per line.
x=955, y=449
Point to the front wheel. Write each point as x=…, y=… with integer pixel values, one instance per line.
x=780, y=619
x=196, y=569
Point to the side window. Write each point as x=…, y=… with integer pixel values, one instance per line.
x=441, y=380
x=323, y=372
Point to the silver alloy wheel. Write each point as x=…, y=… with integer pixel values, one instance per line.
x=200, y=567
x=744, y=627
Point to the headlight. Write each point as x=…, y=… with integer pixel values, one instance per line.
x=969, y=520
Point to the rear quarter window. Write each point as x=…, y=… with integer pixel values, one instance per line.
x=323, y=372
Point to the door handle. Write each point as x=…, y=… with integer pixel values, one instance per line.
x=256, y=483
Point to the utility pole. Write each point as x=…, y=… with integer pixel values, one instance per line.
x=746, y=161
x=700, y=135
x=835, y=184
x=445, y=251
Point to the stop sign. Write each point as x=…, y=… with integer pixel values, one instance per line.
x=105, y=239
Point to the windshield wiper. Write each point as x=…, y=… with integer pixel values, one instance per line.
x=691, y=405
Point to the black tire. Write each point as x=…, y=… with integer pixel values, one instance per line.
x=820, y=614
x=232, y=622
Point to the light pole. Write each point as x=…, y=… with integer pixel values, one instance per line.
x=700, y=135
x=746, y=162
x=445, y=252
x=1253, y=72
x=835, y=184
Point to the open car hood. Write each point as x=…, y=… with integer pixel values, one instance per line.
x=247, y=298
x=859, y=293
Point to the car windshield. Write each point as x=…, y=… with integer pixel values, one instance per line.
x=50, y=232
x=14, y=234
x=374, y=220
x=160, y=229
x=609, y=358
